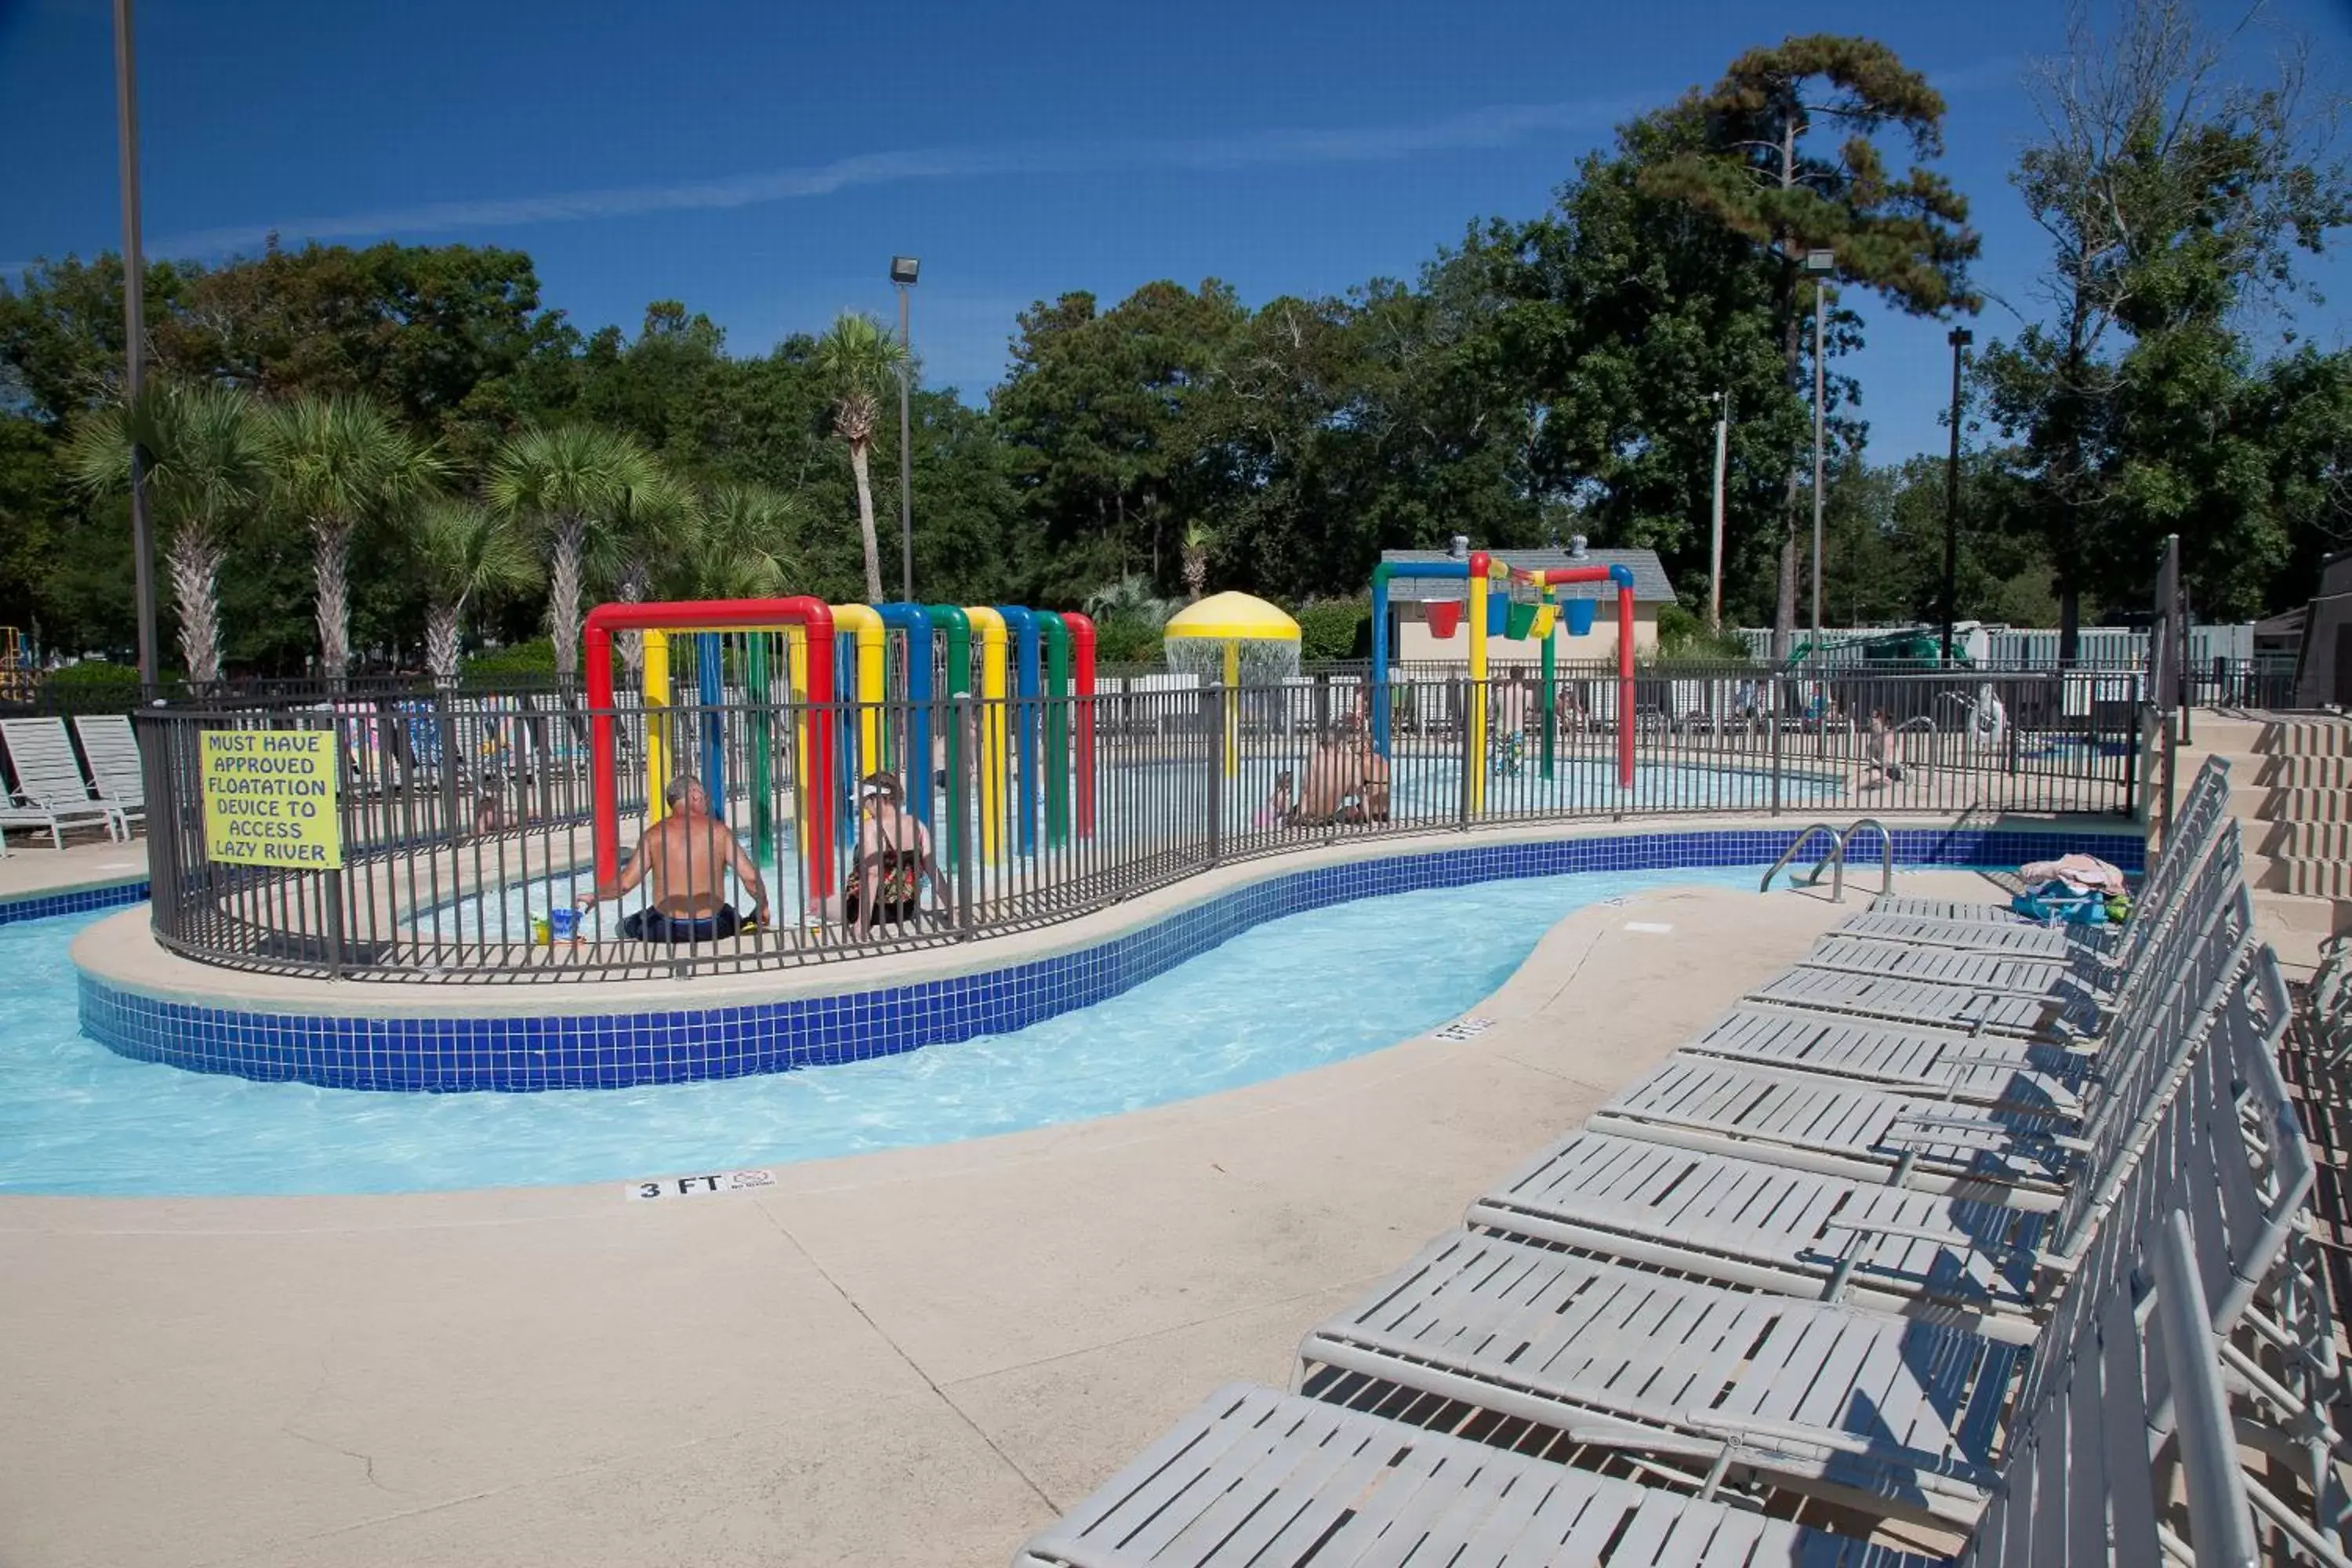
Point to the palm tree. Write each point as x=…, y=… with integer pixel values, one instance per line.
x=206, y=472
x=858, y=359
x=652, y=525
x=565, y=482
x=335, y=461
x=1130, y=599
x=1199, y=540
x=463, y=550
x=744, y=547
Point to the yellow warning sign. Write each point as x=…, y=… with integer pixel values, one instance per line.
x=269, y=798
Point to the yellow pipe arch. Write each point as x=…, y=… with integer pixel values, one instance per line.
x=995, y=763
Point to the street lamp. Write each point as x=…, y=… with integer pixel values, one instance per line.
x=1959, y=338
x=134, y=334
x=1722, y=401
x=903, y=269
x=1818, y=266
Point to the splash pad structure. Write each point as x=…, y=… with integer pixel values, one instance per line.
x=1492, y=613
x=1237, y=639
x=839, y=691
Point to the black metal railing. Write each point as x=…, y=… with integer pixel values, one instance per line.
x=469, y=821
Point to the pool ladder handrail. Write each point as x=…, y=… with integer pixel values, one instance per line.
x=1833, y=859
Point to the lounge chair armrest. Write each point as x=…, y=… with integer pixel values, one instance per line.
x=1998, y=1056
x=1619, y=1434
x=1945, y=1122
x=1957, y=1240
x=39, y=802
x=1786, y=1435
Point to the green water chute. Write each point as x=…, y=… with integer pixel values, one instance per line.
x=763, y=794
x=955, y=628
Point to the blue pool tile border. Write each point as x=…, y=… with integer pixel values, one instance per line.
x=73, y=901
x=515, y=1054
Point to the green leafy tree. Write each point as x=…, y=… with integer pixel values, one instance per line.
x=61, y=334
x=1104, y=414
x=451, y=339
x=338, y=460
x=1624, y=314
x=655, y=388
x=1759, y=169
x=208, y=473
x=2171, y=197
x=859, y=362
x=1885, y=526
x=463, y=552
x=566, y=483
x=2303, y=402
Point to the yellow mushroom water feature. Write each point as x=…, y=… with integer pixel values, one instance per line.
x=1239, y=640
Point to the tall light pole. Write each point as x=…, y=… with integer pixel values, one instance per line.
x=134, y=341
x=903, y=269
x=1959, y=338
x=1715, y=519
x=1819, y=264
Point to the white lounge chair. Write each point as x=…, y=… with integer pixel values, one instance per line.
x=1931, y=1140
x=1818, y=1398
x=1851, y=954
x=2013, y=933
x=1989, y=994
x=112, y=752
x=2202, y=811
x=1824, y=1398
x=1801, y=1233
x=2026, y=1074
x=50, y=791
x=1275, y=1480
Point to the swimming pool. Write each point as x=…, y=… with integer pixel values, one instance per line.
x=1281, y=997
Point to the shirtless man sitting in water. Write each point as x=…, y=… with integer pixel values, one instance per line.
x=1346, y=781
x=688, y=855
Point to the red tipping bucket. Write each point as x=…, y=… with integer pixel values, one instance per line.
x=1445, y=618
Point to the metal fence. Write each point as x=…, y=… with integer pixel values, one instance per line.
x=2108, y=647
x=468, y=820
x=2264, y=682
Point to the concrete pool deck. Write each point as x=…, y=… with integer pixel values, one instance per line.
x=912, y=1357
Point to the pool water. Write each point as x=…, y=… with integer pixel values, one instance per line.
x=1282, y=997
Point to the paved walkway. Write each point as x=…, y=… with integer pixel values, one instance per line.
x=914, y=1357
x=29, y=869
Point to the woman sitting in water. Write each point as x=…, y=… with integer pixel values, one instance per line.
x=893, y=855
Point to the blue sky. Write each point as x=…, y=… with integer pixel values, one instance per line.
x=762, y=162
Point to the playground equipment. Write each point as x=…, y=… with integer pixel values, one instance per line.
x=1579, y=621
x=1917, y=644
x=1493, y=615
x=868, y=681
x=1474, y=570
x=1233, y=637
x=812, y=674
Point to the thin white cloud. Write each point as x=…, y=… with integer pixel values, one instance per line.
x=1492, y=127
x=1499, y=125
